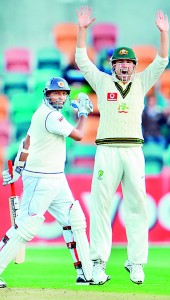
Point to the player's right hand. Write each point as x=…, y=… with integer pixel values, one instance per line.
x=84, y=16
x=83, y=105
x=7, y=178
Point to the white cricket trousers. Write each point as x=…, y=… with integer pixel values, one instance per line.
x=46, y=193
x=40, y=194
x=112, y=166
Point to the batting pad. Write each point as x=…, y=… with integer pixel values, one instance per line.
x=30, y=227
x=9, y=251
x=78, y=225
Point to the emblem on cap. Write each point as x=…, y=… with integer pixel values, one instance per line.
x=123, y=52
x=60, y=84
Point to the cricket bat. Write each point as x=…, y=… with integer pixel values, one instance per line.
x=14, y=205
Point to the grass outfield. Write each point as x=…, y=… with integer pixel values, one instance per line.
x=52, y=268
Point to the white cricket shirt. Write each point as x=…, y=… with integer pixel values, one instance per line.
x=47, y=151
x=120, y=106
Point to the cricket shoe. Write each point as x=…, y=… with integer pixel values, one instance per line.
x=99, y=275
x=136, y=272
x=82, y=281
x=2, y=283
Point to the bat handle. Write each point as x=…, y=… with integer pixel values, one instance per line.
x=10, y=168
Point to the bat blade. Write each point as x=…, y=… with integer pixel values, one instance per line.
x=20, y=256
x=14, y=205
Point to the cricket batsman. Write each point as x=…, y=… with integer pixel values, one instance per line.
x=40, y=160
x=119, y=157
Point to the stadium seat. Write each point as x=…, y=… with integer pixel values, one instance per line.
x=2, y=158
x=17, y=60
x=13, y=83
x=80, y=159
x=152, y=168
x=39, y=78
x=4, y=107
x=77, y=88
x=73, y=75
x=11, y=150
x=91, y=53
x=104, y=35
x=23, y=105
x=65, y=36
x=145, y=55
x=164, y=83
x=153, y=153
x=49, y=58
x=103, y=59
x=1, y=63
x=166, y=156
x=5, y=132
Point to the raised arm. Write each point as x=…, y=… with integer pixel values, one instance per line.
x=163, y=26
x=84, y=21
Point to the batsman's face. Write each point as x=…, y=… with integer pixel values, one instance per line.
x=58, y=98
x=124, y=69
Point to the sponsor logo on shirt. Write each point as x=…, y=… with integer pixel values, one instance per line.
x=100, y=174
x=111, y=96
x=61, y=119
x=123, y=108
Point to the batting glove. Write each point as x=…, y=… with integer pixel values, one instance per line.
x=7, y=178
x=83, y=104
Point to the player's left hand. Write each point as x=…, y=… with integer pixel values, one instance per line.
x=162, y=21
x=7, y=178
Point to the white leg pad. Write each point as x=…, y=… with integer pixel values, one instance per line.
x=24, y=233
x=78, y=225
x=30, y=227
x=9, y=251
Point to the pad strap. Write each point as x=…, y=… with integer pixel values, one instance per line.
x=71, y=245
x=78, y=265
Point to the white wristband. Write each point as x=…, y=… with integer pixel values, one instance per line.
x=82, y=114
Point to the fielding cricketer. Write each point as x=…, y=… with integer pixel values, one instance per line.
x=119, y=156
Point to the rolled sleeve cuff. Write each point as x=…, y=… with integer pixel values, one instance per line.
x=164, y=59
x=81, y=50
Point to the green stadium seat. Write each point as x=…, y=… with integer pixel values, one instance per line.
x=23, y=105
x=166, y=156
x=13, y=83
x=153, y=153
x=153, y=168
x=49, y=58
x=39, y=78
x=11, y=151
x=77, y=88
x=80, y=158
